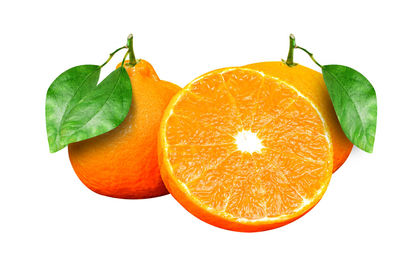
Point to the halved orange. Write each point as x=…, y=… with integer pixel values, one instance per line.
x=244, y=151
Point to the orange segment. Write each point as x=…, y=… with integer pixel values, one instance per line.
x=295, y=130
x=191, y=161
x=244, y=151
x=245, y=101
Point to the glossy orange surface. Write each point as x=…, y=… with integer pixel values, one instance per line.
x=122, y=163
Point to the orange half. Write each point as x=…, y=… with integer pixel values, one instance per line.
x=244, y=151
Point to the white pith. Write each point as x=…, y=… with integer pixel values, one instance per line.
x=248, y=141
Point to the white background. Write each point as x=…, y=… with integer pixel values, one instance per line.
x=49, y=218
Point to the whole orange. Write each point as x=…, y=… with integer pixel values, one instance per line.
x=311, y=84
x=122, y=163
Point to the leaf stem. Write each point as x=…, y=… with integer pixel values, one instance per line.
x=123, y=60
x=292, y=46
x=310, y=54
x=112, y=54
x=129, y=44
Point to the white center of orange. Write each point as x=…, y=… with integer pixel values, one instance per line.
x=248, y=141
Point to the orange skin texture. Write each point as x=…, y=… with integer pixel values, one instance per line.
x=311, y=83
x=122, y=163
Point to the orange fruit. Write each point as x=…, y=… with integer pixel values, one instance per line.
x=244, y=151
x=311, y=84
x=122, y=163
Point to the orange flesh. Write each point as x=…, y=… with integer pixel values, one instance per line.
x=206, y=171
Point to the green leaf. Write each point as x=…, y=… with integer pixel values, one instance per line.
x=77, y=108
x=354, y=100
x=63, y=93
x=99, y=111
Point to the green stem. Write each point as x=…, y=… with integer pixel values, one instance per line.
x=123, y=60
x=112, y=54
x=292, y=46
x=129, y=44
x=310, y=54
